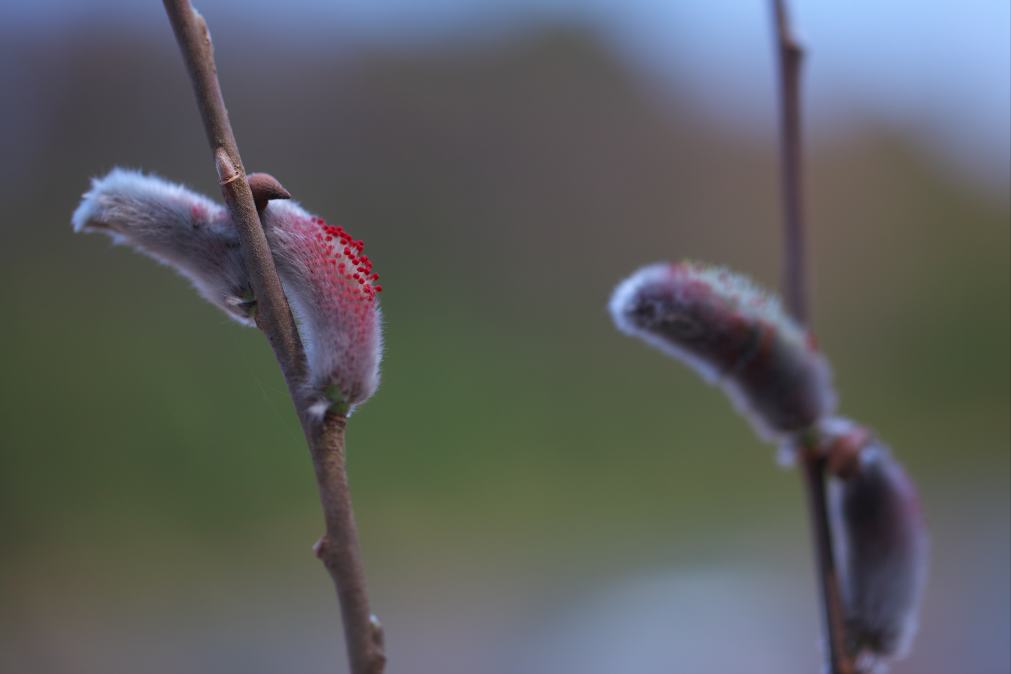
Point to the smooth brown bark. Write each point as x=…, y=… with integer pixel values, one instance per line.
x=833, y=617
x=790, y=58
x=339, y=551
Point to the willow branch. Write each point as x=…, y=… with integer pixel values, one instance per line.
x=833, y=618
x=272, y=313
x=338, y=549
x=790, y=56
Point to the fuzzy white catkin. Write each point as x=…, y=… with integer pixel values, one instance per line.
x=881, y=548
x=175, y=226
x=326, y=277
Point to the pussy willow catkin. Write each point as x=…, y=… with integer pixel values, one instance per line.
x=328, y=279
x=733, y=334
x=880, y=542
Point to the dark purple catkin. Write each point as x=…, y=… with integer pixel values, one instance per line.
x=881, y=543
x=733, y=334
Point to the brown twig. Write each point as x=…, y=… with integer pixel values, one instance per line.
x=790, y=57
x=833, y=618
x=272, y=313
x=338, y=549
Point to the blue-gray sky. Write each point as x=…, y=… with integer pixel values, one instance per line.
x=939, y=69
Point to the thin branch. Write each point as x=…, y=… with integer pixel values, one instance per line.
x=790, y=56
x=833, y=616
x=338, y=549
x=272, y=313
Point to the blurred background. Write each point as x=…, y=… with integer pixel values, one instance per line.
x=536, y=494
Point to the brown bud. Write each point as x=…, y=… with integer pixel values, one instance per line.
x=265, y=187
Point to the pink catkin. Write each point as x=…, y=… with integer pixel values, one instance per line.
x=330, y=284
x=327, y=278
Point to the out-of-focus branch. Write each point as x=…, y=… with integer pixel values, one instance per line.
x=790, y=56
x=338, y=548
x=839, y=659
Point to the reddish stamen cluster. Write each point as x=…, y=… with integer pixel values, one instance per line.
x=345, y=254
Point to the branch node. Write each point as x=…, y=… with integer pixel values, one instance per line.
x=227, y=172
x=843, y=454
x=378, y=636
